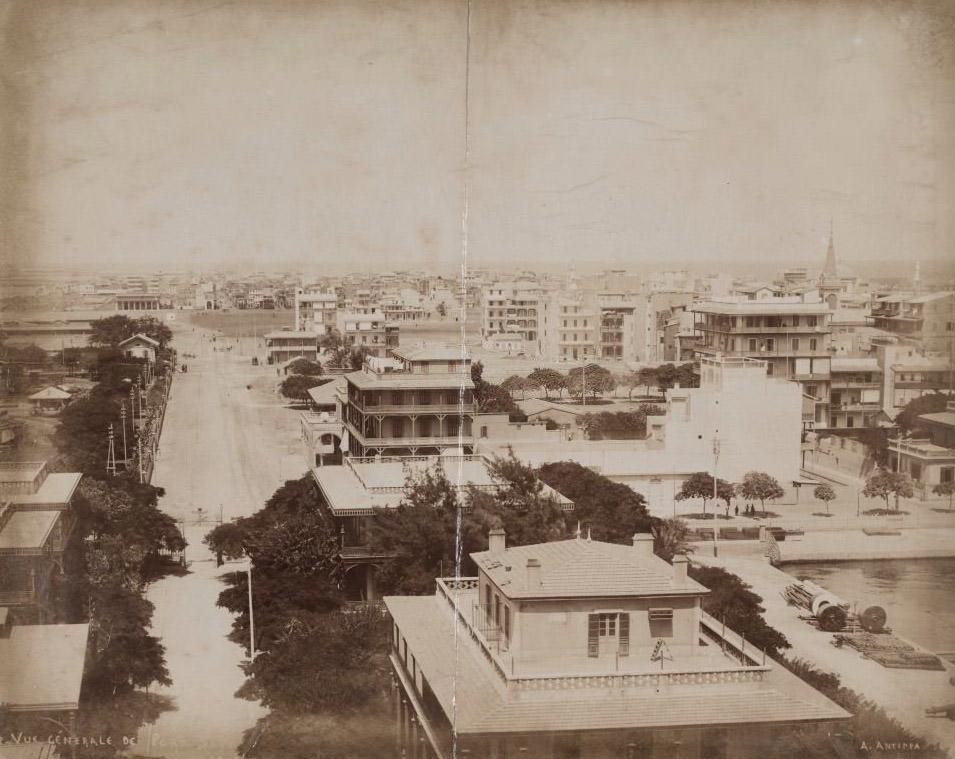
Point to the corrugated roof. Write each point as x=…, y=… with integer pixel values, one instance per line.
x=27, y=529
x=41, y=666
x=582, y=568
x=57, y=488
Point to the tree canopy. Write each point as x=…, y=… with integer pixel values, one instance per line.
x=490, y=398
x=884, y=484
x=306, y=367
x=824, y=493
x=618, y=425
x=611, y=511
x=908, y=418
x=296, y=386
x=110, y=331
x=549, y=379
x=759, y=486
x=592, y=379
x=700, y=485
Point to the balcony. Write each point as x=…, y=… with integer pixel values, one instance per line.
x=856, y=406
x=410, y=442
x=921, y=448
x=418, y=409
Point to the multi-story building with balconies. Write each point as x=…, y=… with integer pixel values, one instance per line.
x=855, y=394
x=315, y=311
x=927, y=321
x=790, y=335
x=418, y=402
x=581, y=648
x=366, y=327
x=513, y=308
x=352, y=494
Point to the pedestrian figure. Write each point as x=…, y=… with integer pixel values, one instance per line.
x=736, y=510
x=219, y=561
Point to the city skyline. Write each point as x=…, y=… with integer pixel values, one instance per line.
x=244, y=133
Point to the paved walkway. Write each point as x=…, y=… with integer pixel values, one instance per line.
x=904, y=694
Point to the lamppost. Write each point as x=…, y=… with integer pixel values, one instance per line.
x=716, y=516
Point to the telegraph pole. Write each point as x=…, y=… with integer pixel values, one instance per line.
x=716, y=516
x=110, y=453
x=122, y=416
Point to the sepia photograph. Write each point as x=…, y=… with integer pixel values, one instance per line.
x=477, y=379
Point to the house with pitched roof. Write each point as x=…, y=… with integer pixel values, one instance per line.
x=580, y=648
x=140, y=346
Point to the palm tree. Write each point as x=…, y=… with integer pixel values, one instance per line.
x=671, y=537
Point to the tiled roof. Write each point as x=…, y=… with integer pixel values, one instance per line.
x=768, y=306
x=325, y=394
x=50, y=394
x=398, y=380
x=942, y=417
x=27, y=529
x=582, y=568
x=41, y=666
x=141, y=338
x=467, y=688
x=930, y=297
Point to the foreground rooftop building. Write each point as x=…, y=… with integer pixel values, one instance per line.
x=579, y=648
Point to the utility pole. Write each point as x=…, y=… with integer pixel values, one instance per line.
x=139, y=447
x=122, y=416
x=110, y=453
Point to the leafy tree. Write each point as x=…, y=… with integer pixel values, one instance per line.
x=908, y=418
x=883, y=484
x=620, y=425
x=334, y=661
x=824, y=493
x=153, y=328
x=592, y=378
x=296, y=386
x=520, y=506
x=306, y=367
x=671, y=537
x=647, y=376
x=759, y=486
x=700, y=485
x=490, y=398
x=227, y=540
x=420, y=533
x=733, y=601
x=945, y=488
x=111, y=330
x=666, y=377
x=356, y=359
x=121, y=654
x=517, y=384
x=686, y=375
x=611, y=511
x=631, y=381
x=549, y=379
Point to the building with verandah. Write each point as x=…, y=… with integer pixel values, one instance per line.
x=578, y=648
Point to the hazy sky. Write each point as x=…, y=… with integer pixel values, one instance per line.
x=190, y=132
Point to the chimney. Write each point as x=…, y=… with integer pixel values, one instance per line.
x=680, y=563
x=496, y=540
x=643, y=542
x=534, y=574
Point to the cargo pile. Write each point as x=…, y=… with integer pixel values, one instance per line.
x=889, y=651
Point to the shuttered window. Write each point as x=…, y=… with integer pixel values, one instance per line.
x=593, y=633
x=624, y=644
x=661, y=623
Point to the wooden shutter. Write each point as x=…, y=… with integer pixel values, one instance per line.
x=624, y=623
x=593, y=633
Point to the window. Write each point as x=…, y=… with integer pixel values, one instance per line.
x=661, y=623
x=484, y=431
x=813, y=343
x=946, y=474
x=607, y=625
x=507, y=623
x=770, y=344
x=795, y=344
x=915, y=469
x=810, y=321
x=752, y=345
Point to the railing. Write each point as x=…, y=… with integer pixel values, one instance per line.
x=640, y=680
x=419, y=409
x=919, y=447
x=447, y=588
x=354, y=460
x=412, y=442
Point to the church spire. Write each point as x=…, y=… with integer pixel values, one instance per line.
x=829, y=268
